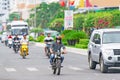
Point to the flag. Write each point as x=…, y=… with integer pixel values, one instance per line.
x=88, y=3
x=81, y=4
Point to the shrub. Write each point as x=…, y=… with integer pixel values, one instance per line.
x=83, y=35
x=65, y=43
x=84, y=41
x=81, y=46
x=40, y=38
x=66, y=31
x=76, y=35
x=31, y=38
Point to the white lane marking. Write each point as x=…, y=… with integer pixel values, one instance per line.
x=10, y=69
x=32, y=69
x=75, y=68
x=96, y=74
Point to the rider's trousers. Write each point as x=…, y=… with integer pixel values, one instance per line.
x=52, y=56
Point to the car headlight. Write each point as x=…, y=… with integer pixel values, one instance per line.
x=108, y=51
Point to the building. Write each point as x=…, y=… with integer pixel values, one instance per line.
x=4, y=10
x=97, y=3
x=105, y=3
x=23, y=6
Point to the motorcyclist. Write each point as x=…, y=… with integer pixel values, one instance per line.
x=6, y=40
x=10, y=41
x=9, y=37
x=48, y=41
x=55, y=47
x=16, y=38
x=25, y=40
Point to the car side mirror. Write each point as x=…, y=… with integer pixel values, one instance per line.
x=97, y=41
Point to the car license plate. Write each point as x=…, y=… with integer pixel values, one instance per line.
x=118, y=58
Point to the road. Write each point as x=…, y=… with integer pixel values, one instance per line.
x=36, y=67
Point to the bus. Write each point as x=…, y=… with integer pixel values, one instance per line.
x=18, y=28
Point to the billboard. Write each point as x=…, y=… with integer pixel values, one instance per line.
x=68, y=19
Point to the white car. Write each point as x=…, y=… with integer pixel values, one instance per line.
x=4, y=36
x=104, y=49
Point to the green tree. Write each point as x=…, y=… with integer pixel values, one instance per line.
x=36, y=31
x=78, y=21
x=46, y=13
x=57, y=24
x=14, y=16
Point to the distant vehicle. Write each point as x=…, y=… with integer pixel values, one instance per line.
x=3, y=37
x=0, y=36
x=53, y=33
x=104, y=49
x=18, y=28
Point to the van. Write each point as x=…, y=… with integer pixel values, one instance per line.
x=53, y=33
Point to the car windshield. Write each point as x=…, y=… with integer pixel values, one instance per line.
x=111, y=37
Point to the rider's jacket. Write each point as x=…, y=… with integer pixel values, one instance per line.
x=24, y=41
x=48, y=40
x=55, y=47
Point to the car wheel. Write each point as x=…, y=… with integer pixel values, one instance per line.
x=103, y=67
x=92, y=64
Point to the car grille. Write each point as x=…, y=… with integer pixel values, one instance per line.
x=116, y=51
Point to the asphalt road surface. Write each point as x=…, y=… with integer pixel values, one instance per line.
x=36, y=67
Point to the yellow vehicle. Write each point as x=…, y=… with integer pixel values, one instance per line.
x=24, y=50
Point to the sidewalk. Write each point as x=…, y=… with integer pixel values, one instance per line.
x=69, y=49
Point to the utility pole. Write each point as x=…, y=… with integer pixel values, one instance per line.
x=35, y=14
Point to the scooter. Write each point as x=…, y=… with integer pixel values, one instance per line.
x=24, y=50
x=10, y=42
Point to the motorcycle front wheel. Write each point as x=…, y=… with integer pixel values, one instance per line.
x=24, y=54
x=58, y=66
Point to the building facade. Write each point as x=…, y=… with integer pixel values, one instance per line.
x=23, y=6
x=4, y=10
x=97, y=3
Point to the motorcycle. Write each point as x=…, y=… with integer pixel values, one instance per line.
x=16, y=46
x=24, y=50
x=48, y=52
x=57, y=63
x=10, y=42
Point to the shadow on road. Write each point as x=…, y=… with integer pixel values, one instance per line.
x=114, y=70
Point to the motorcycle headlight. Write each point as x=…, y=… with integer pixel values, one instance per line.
x=108, y=51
